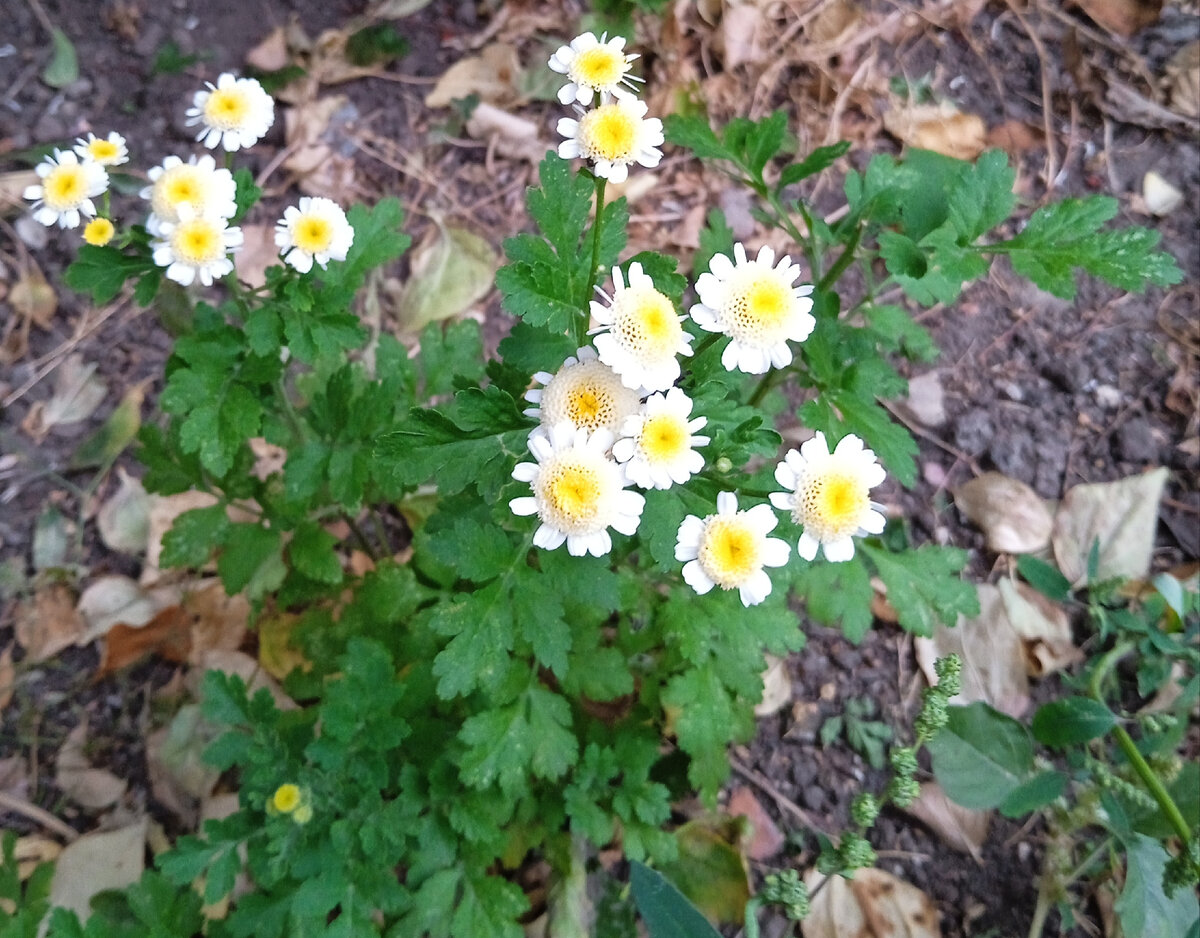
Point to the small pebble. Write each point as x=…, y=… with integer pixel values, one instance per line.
x=1107, y=396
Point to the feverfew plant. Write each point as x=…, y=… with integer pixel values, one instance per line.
x=601, y=532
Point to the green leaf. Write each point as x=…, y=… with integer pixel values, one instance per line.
x=312, y=552
x=763, y=140
x=1044, y=578
x=981, y=756
x=1067, y=235
x=533, y=349
x=837, y=593
x=1143, y=908
x=1070, y=721
x=716, y=237
x=102, y=271
x=482, y=628
x=194, y=536
x=925, y=586
x=818, y=161
x=450, y=352
x=694, y=133
x=664, y=909
x=1034, y=794
x=63, y=67
x=983, y=196
x=706, y=719
x=377, y=240
x=530, y=736
x=897, y=331
x=488, y=907
x=252, y=560
x=863, y=416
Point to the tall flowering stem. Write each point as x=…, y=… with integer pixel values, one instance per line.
x=601, y=183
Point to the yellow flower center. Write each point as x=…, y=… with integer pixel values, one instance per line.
x=184, y=183
x=103, y=151
x=98, y=231
x=573, y=491
x=832, y=505
x=646, y=323
x=65, y=187
x=587, y=405
x=608, y=132
x=664, y=437
x=197, y=241
x=286, y=798
x=600, y=67
x=227, y=108
x=589, y=395
x=729, y=551
x=313, y=234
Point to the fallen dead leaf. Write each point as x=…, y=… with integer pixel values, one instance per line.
x=31, y=852
x=451, y=270
x=1160, y=196
x=765, y=839
x=118, y=431
x=1012, y=516
x=874, y=904
x=164, y=509
x=959, y=827
x=32, y=297
x=118, y=600
x=1014, y=137
x=740, y=35
x=926, y=400
x=8, y=676
x=12, y=190
x=1121, y=516
x=95, y=862
x=514, y=137
x=268, y=458
x=77, y=392
x=179, y=776
x=245, y=667
x=492, y=75
x=710, y=868
x=257, y=253
x=275, y=651
x=1043, y=627
x=938, y=127
x=124, y=520
x=1123, y=17
x=80, y=781
x=271, y=54
x=48, y=623
x=777, y=687
x=1183, y=80
x=315, y=131
x=833, y=21
x=166, y=635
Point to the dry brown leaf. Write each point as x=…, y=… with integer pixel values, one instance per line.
x=1012, y=516
x=874, y=904
x=48, y=623
x=275, y=651
x=1183, y=80
x=268, y=458
x=938, y=127
x=166, y=635
x=164, y=509
x=32, y=297
x=765, y=839
x=95, y=862
x=514, y=137
x=12, y=190
x=8, y=676
x=315, y=130
x=257, y=253
x=1043, y=627
x=1014, y=137
x=740, y=35
x=77, y=392
x=834, y=21
x=271, y=54
x=777, y=687
x=1122, y=516
x=1123, y=17
x=179, y=776
x=31, y=852
x=992, y=654
x=245, y=667
x=124, y=520
x=959, y=827
x=118, y=600
x=492, y=75
x=81, y=782
x=1160, y=196
x=217, y=621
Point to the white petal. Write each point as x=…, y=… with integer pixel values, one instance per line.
x=756, y=589
x=775, y=552
x=873, y=522
x=695, y=577
x=726, y=503
x=807, y=546
x=840, y=550
x=548, y=538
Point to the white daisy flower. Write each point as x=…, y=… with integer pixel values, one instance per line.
x=730, y=550
x=578, y=492
x=316, y=231
x=198, y=183
x=585, y=392
x=196, y=247
x=640, y=333
x=235, y=112
x=656, y=446
x=594, y=66
x=67, y=189
x=613, y=135
x=829, y=494
x=107, y=151
x=755, y=303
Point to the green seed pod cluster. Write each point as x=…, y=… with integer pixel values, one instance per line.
x=786, y=889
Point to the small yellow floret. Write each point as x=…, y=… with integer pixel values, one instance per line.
x=98, y=232
x=197, y=241
x=65, y=187
x=303, y=814
x=730, y=551
x=664, y=437
x=599, y=67
x=287, y=798
x=832, y=505
x=227, y=108
x=573, y=493
x=103, y=151
x=608, y=132
x=182, y=184
x=312, y=234
x=646, y=323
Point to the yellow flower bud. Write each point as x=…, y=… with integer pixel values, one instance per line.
x=98, y=232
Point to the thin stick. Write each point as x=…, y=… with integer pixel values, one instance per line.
x=34, y=813
x=783, y=801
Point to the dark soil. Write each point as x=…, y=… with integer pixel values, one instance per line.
x=1048, y=392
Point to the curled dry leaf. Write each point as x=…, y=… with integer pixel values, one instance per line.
x=32, y=297
x=271, y=54
x=320, y=151
x=1043, y=627
x=1120, y=516
x=513, y=137
x=95, y=862
x=1012, y=516
x=118, y=600
x=80, y=781
x=77, y=392
x=938, y=127
x=48, y=623
x=124, y=520
x=492, y=75
x=1160, y=196
x=179, y=776
x=959, y=827
x=777, y=687
x=872, y=905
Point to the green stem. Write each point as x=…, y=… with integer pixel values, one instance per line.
x=1127, y=746
x=290, y=411
x=751, y=920
x=768, y=381
x=597, y=224
x=845, y=259
x=807, y=244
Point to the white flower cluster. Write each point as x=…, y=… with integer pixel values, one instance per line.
x=191, y=203
x=612, y=417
